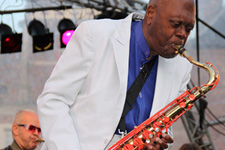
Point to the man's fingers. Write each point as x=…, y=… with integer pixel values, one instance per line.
x=161, y=143
x=166, y=138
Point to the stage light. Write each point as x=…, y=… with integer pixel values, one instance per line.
x=66, y=28
x=5, y=29
x=111, y=14
x=67, y=36
x=42, y=39
x=10, y=43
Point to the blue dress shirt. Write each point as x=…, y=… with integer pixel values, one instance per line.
x=139, y=52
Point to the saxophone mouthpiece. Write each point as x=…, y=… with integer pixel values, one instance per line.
x=40, y=140
x=182, y=52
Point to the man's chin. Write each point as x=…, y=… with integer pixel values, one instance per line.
x=34, y=146
x=170, y=56
x=31, y=148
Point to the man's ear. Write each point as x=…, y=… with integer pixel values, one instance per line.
x=15, y=129
x=150, y=13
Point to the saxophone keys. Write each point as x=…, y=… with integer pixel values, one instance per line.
x=128, y=147
x=191, y=97
x=138, y=143
x=157, y=129
x=157, y=126
x=166, y=119
x=147, y=141
x=202, y=93
x=182, y=105
x=150, y=135
x=147, y=134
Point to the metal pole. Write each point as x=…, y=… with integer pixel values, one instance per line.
x=197, y=40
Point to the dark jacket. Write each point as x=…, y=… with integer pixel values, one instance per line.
x=13, y=146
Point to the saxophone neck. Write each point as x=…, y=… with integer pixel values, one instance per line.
x=212, y=71
x=182, y=52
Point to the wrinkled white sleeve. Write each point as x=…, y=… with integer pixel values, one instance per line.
x=183, y=88
x=61, y=90
x=186, y=79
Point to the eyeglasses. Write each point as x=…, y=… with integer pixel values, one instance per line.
x=31, y=128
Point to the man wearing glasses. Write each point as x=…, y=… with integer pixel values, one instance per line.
x=25, y=131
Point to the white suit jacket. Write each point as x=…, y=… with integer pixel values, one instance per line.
x=83, y=99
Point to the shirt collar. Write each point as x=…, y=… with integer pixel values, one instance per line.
x=15, y=146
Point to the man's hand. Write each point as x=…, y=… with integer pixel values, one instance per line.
x=159, y=143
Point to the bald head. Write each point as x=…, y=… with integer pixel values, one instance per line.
x=20, y=115
x=169, y=4
x=164, y=1
x=168, y=23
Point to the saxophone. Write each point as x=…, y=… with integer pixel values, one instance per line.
x=162, y=120
x=39, y=140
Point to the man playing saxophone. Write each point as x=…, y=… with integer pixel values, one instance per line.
x=82, y=102
x=25, y=131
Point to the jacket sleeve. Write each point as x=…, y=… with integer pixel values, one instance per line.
x=61, y=89
x=186, y=78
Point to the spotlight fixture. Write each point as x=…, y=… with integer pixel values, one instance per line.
x=66, y=28
x=111, y=14
x=66, y=36
x=10, y=42
x=42, y=39
x=5, y=29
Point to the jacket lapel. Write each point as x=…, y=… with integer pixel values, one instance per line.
x=121, y=46
x=120, y=42
x=165, y=76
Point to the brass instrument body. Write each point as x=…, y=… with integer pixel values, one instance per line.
x=162, y=120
